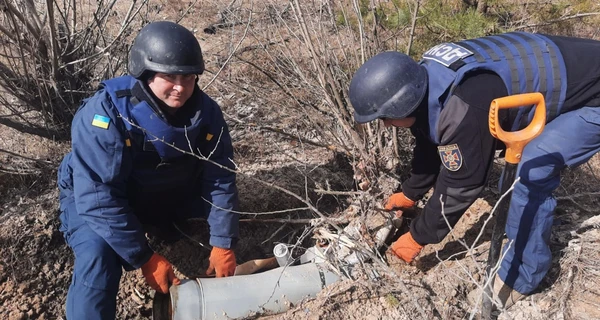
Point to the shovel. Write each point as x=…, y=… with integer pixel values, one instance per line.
x=515, y=142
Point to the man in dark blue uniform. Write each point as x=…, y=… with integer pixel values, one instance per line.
x=445, y=101
x=148, y=149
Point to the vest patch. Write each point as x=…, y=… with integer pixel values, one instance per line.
x=451, y=157
x=447, y=53
x=101, y=121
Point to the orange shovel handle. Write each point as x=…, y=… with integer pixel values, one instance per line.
x=515, y=141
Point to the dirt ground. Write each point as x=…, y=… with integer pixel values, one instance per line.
x=36, y=264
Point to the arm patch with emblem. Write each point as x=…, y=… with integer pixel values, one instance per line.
x=451, y=157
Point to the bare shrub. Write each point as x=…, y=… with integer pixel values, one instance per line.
x=54, y=52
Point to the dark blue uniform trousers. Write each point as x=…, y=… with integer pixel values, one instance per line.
x=97, y=270
x=568, y=141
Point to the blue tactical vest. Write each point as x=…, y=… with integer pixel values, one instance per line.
x=526, y=63
x=158, y=161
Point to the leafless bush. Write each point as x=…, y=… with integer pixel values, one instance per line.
x=305, y=53
x=52, y=54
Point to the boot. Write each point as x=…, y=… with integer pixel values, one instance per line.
x=503, y=295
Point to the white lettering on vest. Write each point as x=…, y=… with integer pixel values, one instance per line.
x=446, y=53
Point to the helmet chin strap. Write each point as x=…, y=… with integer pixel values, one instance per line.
x=153, y=102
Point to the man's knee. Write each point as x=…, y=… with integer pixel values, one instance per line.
x=97, y=265
x=540, y=166
x=96, y=277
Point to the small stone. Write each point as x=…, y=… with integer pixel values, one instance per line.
x=137, y=299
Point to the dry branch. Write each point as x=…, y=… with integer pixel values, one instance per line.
x=52, y=57
x=25, y=157
x=561, y=19
x=300, y=221
x=234, y=49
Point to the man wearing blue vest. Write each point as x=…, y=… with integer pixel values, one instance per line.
x=148, y=149
x=444, y=100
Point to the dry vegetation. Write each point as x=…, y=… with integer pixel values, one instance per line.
x=280, y=70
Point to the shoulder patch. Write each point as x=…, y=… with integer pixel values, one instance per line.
x=101, y=121
x=451, y=157
x=447, y=53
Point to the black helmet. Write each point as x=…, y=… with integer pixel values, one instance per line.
x=165, y=47
x=389, y=85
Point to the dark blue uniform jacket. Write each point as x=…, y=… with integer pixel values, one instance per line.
x=454, y=149
x=128, y=167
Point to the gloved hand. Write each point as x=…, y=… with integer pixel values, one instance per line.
x=221, y=262
x=399, y=201
x=406, y=248
x=159, y=273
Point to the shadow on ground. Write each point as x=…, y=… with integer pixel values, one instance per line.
x=260, y=232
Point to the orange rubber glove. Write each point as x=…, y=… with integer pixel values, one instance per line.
x=159, y=273
x=221, y=262
x=399, y=201
x=406, y=248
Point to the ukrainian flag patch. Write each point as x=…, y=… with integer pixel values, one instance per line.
x=101, y=121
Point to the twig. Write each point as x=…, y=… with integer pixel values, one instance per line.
x=575, y=16
x=53, y=42
x=408, y=49
x=14, y=12
x=572, y=197
x=205, y=246
x=289, y=135
x=273, y=234
x=589, y=165
x=328, y=84
x=193, y=4
x=340, y=220
x=489, y=218
x=258, y=213
x=412, y=27
x=339, y=193
x=234, y=49
x=25, y=157
x=19, y=171
x=129, y=18
x=361, y=31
